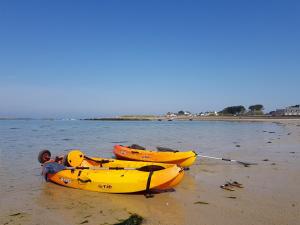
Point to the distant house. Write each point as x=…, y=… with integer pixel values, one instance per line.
x=208, y=113
x=277, y=112
x=187, y=113
x=171, y=115
x=211, y=113
x=292, y=110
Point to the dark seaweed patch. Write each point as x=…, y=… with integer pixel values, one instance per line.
x=16, y=214
x=202, y=203
x=232, y=197
x=134, y=219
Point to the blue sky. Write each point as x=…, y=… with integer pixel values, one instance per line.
x=101, y=58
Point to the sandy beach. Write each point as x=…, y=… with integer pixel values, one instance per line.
x=271, y=193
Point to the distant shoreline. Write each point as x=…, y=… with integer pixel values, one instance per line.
x=120, y=119
x=181, y=118
x=202, y=118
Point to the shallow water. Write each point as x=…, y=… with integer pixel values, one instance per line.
x=25, y=191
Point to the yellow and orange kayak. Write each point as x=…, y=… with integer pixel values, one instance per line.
x=114, y=176
x=183, y=159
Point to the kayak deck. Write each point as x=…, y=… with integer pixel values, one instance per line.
x=183, y=159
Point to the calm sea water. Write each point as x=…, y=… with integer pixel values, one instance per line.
x=20, y=141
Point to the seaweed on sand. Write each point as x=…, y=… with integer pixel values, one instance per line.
x=16, y=214
x=202, y=203
x=134, y=219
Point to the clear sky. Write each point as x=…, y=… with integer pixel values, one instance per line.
x=99, y=58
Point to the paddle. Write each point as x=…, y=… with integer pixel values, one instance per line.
x=54, y=167
x=246, y=164
x=143, y=168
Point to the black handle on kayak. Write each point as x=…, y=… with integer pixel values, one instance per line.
x=84, y=181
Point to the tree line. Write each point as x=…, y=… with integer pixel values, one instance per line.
x=231, y=110
x=241, y=110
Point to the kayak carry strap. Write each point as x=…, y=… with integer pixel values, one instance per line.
x=148, y=192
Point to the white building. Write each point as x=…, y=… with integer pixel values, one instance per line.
x=187, y=113
x=292, y=110
x=211, y=113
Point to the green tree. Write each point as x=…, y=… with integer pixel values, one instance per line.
x=233, y=110
x=257, y=107
x=181, y=112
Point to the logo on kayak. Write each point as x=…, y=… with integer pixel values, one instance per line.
x=105, y=186
x=65, y=180
x=123, y=152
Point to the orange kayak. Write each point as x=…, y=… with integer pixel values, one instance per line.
x=183, y=159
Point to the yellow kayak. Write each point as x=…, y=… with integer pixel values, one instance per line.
x=183, y=159
x=110, y=175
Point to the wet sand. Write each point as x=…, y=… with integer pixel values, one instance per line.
x=271, y=193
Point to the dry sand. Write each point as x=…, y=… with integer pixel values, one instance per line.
x=271, y=193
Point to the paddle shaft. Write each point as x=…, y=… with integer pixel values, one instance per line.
x=225, y=159
x=146, y=168
x=246, y=164
x=100, y=168
x=211, y=157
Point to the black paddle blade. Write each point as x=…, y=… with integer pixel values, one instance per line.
x=136, y=146
x=246, y=164
x=164, y=149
